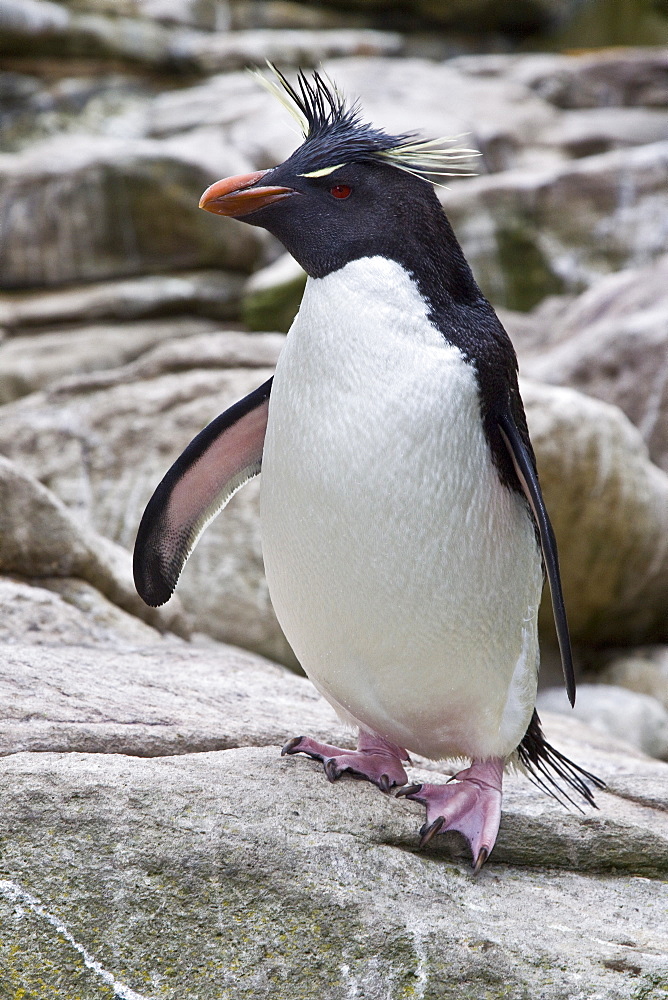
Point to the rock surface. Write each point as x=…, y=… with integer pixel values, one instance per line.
x=111, y=859
x=636, y=718
x=612, y=343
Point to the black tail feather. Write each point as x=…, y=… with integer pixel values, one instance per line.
x=544, y=766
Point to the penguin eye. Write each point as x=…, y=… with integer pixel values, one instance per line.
x=340, y=191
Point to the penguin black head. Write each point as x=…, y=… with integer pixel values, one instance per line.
x=349, y=191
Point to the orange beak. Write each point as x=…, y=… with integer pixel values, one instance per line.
x=237, y=196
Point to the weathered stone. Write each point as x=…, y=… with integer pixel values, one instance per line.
x=240, y=874
x=599, y=130
x=214, y=294
x=638, y=719
x=237, y=49
x=644, y=670
x=272, y=295
x=523, y=245
x=62, y=611
x=612, y=343
x=607, y=78
x=28, y=363
x=609, y=509
x=40, y=537
x=104, y=451
x=141, y=698
x=84, y=209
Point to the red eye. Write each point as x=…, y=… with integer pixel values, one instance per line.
x=340, y=191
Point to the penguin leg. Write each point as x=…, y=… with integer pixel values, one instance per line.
x=376, y=759
x=469, y=803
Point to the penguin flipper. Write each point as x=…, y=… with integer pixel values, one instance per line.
x=216, y=463
x=526, y=473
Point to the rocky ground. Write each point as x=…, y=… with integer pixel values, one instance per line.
x=153, y=842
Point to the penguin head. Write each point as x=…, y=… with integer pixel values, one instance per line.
x=349, y=191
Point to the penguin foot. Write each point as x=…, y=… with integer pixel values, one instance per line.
x=469, y=803
x=376, y=759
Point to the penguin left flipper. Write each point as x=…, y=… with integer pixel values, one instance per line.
x=525, y=470
x=216, y=463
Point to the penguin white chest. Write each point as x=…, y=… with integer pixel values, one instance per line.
x=405, y=575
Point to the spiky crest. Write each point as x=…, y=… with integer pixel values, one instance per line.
x=334, y=133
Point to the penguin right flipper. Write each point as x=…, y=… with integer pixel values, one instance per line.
x=216, y=463
x=525, y=469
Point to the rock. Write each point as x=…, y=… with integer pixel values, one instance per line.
x=28, y=363
x=607, y=78
x=104, y=451
x=272, y=295
x=644, y=669
x=256, y=876
x=83, y=209
x=523, y=245
x=609, y=510
x=612, y=343
x=235, y=50
x=40, y=537
x=134, y=696
x=214, y=294
x=62, y=611
x=639, y=719
x=42, y=28
x=226, y=349
x=598, y=130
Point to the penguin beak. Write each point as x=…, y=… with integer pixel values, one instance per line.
x=238, y=196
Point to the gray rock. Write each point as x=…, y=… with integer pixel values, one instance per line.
x=241, y=874
x=638, y=719
x=214, y=294
x=235, y=50
x=104, y=451
x=111, y=690
x=84, y=209
x=61, y=611
x=40, y=537
x=609, y=509
x=607, y=78
x=644, y=669
x=590, y=131
x=28, y=363
x=272, y=295
x=524, y=245
x=612, y=343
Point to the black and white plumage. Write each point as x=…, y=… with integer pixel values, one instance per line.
x=404, y=531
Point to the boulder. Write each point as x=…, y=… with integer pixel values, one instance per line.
x=609, y=508
x=28, y=363
x=643, y=669
x=638, y=719
x=235, y=50
x=523, y=245
x=240, y=874
x=108, y=449
x=80, y=209
x=56, y=611
x=612, y=343
x=40, y=537
x=214, y=294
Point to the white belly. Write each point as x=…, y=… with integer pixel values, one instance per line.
x=406, y=578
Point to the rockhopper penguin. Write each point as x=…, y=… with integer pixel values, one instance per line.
x=404, y=533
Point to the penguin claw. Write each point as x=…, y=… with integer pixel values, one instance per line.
x=471, y=806
x=289, y=747
x=375, y=760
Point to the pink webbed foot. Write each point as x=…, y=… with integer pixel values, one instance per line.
x=470, y=803
x=376, y=759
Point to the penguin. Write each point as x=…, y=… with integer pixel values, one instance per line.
x=404, y=533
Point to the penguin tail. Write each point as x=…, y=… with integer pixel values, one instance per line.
x=552, y=771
